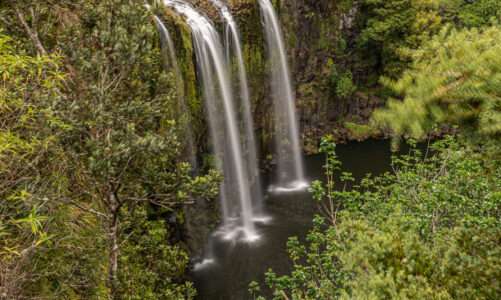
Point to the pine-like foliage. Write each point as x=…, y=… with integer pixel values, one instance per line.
x=455, y=79
x=395, y=27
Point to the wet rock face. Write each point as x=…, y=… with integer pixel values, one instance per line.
x=311, y=29
x=201, y=220
x=320, y=35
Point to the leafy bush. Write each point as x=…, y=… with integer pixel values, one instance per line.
x=345, y=86
x=151, y=268
x=430, y=230
x=342, y=83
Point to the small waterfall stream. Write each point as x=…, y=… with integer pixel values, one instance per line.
x=171, y=59
x=288, y=145
x=233, y=46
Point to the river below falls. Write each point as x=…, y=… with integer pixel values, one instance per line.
x=237, y=264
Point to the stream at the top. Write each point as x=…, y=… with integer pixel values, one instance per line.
x=237, y=264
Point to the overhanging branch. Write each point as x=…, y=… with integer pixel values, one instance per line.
x=32, y=33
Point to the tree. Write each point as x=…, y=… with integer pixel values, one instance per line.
x=393, y=28
x=115, y=143
x=125, y=144
x=470, y=14
x=455, y=79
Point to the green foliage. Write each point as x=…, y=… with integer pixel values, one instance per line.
x=129, y=146
x=92, y=185
x=392, y=261
x=84, y=155
x=341, y=83
x=455, y=79
x=393, y=27
x=360, y=131
x=471, y=13
x=38, y=245
x=345, y=86
x=152, y=269
x=429, y=231
x=29, y=160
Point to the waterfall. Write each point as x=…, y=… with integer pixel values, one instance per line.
x=169, y=52
x=233, y=45
x=226, y=139
x=288, y=146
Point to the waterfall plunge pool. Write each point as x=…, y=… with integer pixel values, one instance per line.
x=235, y=264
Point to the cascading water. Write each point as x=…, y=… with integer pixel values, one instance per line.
x=288, y=153
x=233, y=45
x=217, y=86
x=171, y=57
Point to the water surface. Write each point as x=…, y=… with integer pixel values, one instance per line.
x=237, y=264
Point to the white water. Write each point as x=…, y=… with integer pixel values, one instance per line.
x=185, y=119
x=233, y=46
x=288, y=153
x=224, y=129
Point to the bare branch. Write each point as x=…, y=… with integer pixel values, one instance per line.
x=163, y=203
x=87, y=209
x=33, y=34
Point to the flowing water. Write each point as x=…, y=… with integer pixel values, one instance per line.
x=290, y=175
x=170, y=58
x=226, y=139
x=233, y=46
x=237, y=264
